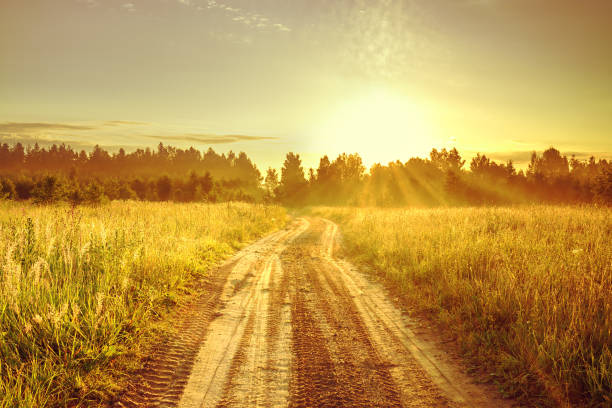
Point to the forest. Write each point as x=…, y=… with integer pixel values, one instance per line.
x=58, y=173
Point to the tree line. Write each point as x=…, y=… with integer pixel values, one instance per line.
x=168, y=173
x=61, y=174
x=443, y=179
x=142, y=162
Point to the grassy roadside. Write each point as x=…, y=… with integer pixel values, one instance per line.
x=527, y=291
x=82, y=290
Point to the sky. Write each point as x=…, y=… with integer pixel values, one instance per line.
x=386, y=79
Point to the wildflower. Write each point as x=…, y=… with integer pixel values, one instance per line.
x=27, y=328
x=37, y=319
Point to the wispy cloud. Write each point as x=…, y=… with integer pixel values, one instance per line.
x=37, y=127
x=89, y=3
x=239, y=15
x=77, y=142
x=281, y=27
x=28, y=127
x=129, y=7
x=125, y=123
x=30, y=140
x=86, y=135
x=210, y=138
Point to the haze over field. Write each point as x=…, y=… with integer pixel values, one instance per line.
x=389, y=80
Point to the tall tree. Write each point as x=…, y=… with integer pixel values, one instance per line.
x=293, y=185
x=271, y=182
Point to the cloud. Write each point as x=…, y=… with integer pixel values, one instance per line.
x=77, y=145
x=128, y=6
x=29, y=127
x=124, y=122
x=210, y=138
x=38, y=127
x=207, y=139
x=89, y=3
x=83, y=136
x=281, y=27
x=47, y=141
x=245, y=17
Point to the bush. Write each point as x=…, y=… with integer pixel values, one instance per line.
x=164, y=188
x=24, y=187
x=7, y=189
x=47, y=190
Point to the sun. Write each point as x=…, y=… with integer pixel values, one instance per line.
x=380, y=125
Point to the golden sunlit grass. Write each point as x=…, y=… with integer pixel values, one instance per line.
x=528, y=291
x=81, y=288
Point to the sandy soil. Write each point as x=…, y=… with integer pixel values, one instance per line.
x=286, y=323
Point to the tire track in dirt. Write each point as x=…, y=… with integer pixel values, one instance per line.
x=313, y=382
x=278, y=334
x=246, y=385
x=162, y=380
x=417, y=365
x=335, y=363
x=285, y=323
x=230, y=367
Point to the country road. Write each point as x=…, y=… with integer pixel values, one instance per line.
x=286, y=323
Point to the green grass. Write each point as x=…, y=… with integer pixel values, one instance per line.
x=526, y=290
x=81, y=289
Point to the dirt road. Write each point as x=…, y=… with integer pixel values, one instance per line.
x=286, y=323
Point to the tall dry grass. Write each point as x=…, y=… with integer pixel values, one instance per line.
x=79, y=288
x=527, y=290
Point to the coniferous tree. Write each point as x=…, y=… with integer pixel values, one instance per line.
x=293, y=185
x=271, y=183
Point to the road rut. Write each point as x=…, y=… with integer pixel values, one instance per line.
x=286, y=323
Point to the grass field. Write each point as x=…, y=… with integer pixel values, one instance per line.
x=81, y=289
x=527, y=290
